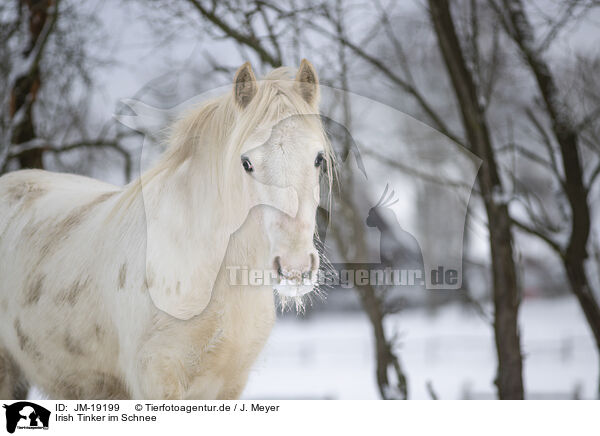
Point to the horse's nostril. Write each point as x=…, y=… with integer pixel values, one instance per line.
x=296, y=271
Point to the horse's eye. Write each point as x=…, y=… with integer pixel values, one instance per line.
x=247, y=165
x=319, y=159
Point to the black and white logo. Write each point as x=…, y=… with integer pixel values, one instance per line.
x=26, y=415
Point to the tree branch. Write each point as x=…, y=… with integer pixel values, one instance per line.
x=46, y=146
x=533, y=231
x=249, y=40
x=437, y=121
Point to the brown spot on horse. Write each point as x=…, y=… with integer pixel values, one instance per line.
x=122, y=276
x=25, y=342
x=34, y=290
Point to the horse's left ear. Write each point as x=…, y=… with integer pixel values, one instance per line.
x=307, y=83
x=244, y=85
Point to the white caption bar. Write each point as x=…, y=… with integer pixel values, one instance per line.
x=299, y=417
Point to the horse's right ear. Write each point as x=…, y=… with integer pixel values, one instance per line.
x=244, y=85
x=307, y=83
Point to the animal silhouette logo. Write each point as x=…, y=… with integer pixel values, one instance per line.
x=398, y=249
x=26, y=415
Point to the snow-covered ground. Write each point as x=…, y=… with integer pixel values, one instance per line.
x=331, y=355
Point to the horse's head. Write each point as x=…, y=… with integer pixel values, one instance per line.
x=377, y=213
x=280, y=159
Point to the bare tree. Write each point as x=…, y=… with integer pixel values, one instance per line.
x=24, y=87
x=564, y=151
x=505, y=285
x=506, y=292
x=391, y=379
x=44, y=57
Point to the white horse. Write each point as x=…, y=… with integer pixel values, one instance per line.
x=109, y=292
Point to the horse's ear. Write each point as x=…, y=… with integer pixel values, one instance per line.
x=244, y=85
x=307, y=83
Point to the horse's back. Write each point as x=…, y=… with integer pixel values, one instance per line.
x=40, y=196
x=32, y=184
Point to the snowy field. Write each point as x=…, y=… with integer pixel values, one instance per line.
x=330, y=356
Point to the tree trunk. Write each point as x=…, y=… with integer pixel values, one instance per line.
x=387, y=361
x=386, y=358
x=505, y=288
x=25, y=90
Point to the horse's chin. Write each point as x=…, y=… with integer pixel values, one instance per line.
x=292, y=288
x=294, y=295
